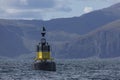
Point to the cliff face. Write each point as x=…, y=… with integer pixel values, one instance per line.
x=103, y=43
x=108, y=40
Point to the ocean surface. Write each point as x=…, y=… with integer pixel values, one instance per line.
x=85, y=69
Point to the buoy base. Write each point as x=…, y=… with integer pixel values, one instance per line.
x=46, y=66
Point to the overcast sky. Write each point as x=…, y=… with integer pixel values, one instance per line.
x=49, y=9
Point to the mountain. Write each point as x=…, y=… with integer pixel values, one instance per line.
x=80, y=25
x=114, y=10
x=11, y=44
x=87, y=22
x=83, y=24
x=21, y=36
x=103, y=43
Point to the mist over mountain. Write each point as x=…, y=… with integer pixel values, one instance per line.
x=92, y=34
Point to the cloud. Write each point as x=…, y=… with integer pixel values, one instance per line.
x=88, y=9
x=47, y=9
x=31, y=8
x=28, y=4
x=37, y=4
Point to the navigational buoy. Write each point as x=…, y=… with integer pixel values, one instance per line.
x=43, y=60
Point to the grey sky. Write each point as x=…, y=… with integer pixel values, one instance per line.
x=49, y=9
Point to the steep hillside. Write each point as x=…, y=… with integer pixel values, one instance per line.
x=11, y=44
x=103, y=43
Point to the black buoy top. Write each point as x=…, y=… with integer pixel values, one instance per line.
x=43, y=32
